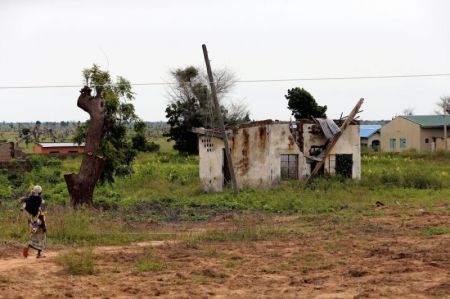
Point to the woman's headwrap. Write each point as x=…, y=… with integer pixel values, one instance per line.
x=37, y=190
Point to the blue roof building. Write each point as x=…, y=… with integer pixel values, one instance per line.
x=365, y=131
x=370, y=135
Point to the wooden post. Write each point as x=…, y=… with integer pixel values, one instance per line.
x=220, y=119
x=336, y=138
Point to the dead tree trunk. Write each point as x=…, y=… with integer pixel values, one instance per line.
x=81, y=186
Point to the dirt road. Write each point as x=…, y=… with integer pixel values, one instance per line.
x=387, y=257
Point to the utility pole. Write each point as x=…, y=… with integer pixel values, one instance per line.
x=220, y=119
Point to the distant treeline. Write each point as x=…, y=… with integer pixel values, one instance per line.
x=7, y=126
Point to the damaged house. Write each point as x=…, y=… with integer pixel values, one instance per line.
x=265, y=152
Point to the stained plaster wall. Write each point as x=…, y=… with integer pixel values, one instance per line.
x=211, y=162
x=348, y=143
x=255, y=152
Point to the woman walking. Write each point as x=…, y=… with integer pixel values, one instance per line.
x=35, y=206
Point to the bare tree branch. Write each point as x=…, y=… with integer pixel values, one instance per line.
x=443, y=102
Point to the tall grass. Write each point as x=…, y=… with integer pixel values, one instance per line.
x=165, y=187
x=81, y=227
x=407, y=170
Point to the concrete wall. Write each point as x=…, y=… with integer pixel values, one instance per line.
x=256, y=152
x=210, y=163
x=401, y=128
x=348, y=143
x=6, y=151
x=433, y=135
x=440, y=144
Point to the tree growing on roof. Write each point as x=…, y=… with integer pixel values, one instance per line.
x=190, y=106
x=303, y=105
x=108, y=151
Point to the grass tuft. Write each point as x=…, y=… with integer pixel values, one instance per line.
x=79, y=262
x=148, y=262
x=437, y=231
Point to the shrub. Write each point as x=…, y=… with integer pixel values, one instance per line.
x=421, y=180
x=123, y=170
x=152, y=147
x=390, y=178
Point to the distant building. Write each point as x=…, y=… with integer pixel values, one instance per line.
x=266, y=152
x=370, y=136
x=419, y=132
x=63, y=148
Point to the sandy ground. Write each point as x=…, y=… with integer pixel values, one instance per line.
x=377, y=257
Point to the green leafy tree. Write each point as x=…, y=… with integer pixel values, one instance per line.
x=190, y=106
x=108, y=151
x=139, y=140
x=303, y=105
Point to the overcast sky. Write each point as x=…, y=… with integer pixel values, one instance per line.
x=50, y=42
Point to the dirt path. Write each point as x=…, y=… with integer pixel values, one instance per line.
x=11, y=264
x=388, y=257
x=18, y=275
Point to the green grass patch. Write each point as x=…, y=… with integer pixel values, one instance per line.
x=437, y=231
x=198, y=278
x=78, y=262
x=313, y=261
x=335, y=246
x=165, y=186
x=148, y=262
x=149, y=266
x=229, y=264
x=238, y=234
x=82, y=227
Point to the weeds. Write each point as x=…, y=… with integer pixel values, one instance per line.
x=313, y=261
x=198, y=278
x=238, y=233
x=3, y=279
x=79, y=262
x=148, y=262
x=165, y=187
x=437, y=231
x=230, y=264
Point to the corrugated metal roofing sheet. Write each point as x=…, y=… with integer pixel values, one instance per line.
x=428, y=121
x=329, y=127
x=365, y=131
